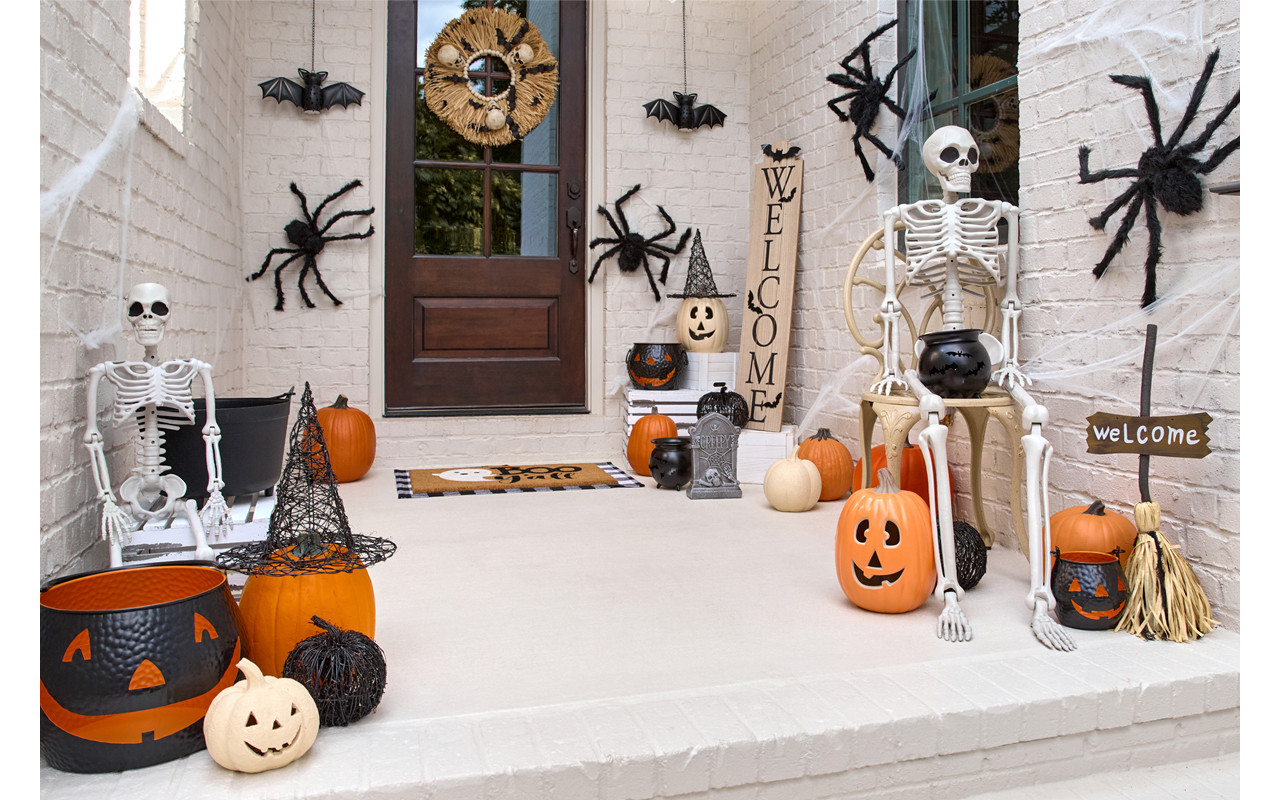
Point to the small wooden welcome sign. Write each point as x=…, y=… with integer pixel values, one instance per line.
x=771, y=275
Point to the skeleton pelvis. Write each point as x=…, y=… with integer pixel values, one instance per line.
x=140, y=494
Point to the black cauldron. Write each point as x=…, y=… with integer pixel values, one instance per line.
x=954, y=363
x=1089, y=589
x=254, y=430
x=124, y=681
x=655, y=365
x=671, y=462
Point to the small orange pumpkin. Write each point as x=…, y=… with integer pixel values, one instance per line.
x=350, y=437
x=640, y=442
x=834, y=463
x=1093, y=529
x=913, y=476
x=884, y=548
x=277, y=609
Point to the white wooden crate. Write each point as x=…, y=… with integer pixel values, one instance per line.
x=704, y=370
x=171, y=540
x=757, y=450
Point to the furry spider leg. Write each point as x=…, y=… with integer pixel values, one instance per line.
x=1121, y=238
x=1193, y=105
x=353, y=184
x=603, y=256
x=1155, y=249
x=649, y=273
x=671, y=228
x=343, y=215
x=617, y=206
x=308, y=265
x=279, y=269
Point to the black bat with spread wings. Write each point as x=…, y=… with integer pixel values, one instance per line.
x=683, y=113
x=309, y=95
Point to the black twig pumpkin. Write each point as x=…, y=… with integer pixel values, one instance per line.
x=971, y=555
x=345, y=672
x=730, y=404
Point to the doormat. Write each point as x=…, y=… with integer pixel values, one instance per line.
x=504, y=479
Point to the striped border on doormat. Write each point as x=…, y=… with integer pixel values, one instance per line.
x=507, y=479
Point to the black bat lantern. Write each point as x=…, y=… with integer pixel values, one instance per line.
x=309, y=95
x=684, y=113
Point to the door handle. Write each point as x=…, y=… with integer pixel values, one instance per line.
x=573, y=219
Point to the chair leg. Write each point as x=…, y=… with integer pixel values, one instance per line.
x=1010, y=418
x=976, y=421
x=896, y=421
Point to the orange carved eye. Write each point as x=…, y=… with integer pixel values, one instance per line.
x=1101, y=592
x=1075, y=585
x=203, y=628
x=79, y=644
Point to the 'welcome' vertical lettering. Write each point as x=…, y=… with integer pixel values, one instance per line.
x=771, y=273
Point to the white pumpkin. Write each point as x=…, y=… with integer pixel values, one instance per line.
x=702, y=325
x=793, y=484
x=260, y=723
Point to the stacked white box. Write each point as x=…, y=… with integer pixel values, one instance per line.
x=758, y=450
x=704, y=370
x=679, y=404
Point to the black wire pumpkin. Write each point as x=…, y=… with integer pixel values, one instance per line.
x=730, y=404
x=345, y=672
x=971, y=555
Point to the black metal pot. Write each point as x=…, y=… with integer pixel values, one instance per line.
x=671, y=462
x=954, y=363
x=655, y=365
x=254, y=430
x=1089, y=589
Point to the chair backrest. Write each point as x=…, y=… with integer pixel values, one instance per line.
x=921, y=310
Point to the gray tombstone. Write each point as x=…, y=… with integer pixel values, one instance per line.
x=715, y=458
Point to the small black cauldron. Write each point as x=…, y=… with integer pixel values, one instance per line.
x=954, y=363
x=655, y=365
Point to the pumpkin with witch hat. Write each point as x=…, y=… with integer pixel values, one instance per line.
x=702, y=323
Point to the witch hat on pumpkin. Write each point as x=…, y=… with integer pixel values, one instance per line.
x=699, y=282
x=308, y=532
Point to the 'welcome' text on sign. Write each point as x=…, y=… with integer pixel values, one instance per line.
x=771, y=270
x=1184, y=436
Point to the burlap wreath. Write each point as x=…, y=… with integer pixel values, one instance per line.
x=508, y=115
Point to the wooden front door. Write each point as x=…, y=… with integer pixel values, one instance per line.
x=485, y=286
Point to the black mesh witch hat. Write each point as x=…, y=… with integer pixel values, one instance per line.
x=699, y=282
x=308, y=532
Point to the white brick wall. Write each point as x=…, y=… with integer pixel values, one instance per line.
x=205, y=218
x=185, y=232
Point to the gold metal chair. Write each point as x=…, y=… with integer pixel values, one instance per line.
x=898, y=412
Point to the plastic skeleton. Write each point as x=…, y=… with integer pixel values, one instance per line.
x=158, y=393
x=951, y=243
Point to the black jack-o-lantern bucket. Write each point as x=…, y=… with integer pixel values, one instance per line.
x=1089, y=589
x=655, y=365
x=130, y=660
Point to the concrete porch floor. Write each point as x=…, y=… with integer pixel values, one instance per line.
x=633, y=643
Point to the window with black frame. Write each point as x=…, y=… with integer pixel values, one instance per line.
x=969, y=52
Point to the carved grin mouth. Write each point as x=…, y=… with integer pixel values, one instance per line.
x=279, y=749
x=875, y=581
x=697, y=337
x=1095, y=615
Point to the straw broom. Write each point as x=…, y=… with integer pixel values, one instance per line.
x=1166, y=600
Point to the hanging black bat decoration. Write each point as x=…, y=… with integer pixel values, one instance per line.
x=683, y=113
x=309, y=95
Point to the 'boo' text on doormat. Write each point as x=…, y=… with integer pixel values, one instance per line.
x=505, y=478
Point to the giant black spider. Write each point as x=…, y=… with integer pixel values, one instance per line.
x=309, y=239
x=1166, y=172
x=867, y=93
x=633, y=249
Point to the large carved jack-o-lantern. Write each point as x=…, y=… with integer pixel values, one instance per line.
x=130, y=660
x=702, y=325
x=884, y=548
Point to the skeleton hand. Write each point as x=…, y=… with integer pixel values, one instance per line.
x=116, y=525
x=216, y=516
x=886, y=385
x=1050, y=633
x=953, y=625
x=1009, y=374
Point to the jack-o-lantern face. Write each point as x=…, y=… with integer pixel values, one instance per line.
x=654, y=366
x=129, y=662
x=261, y=723
x=702, y=324
x=884, y=553
x=1089, y=589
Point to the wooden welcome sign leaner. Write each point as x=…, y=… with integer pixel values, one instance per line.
x=771, y=274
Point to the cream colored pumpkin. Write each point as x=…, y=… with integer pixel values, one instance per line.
x=702, y=325
x=260, y=723
x=792, y=484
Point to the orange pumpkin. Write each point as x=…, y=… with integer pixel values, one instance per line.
x=277, y=609
x=640, y=442
x=350, y=438
x=834, y=463
x=884, y=548
x=913, y=477
x=1093, y=529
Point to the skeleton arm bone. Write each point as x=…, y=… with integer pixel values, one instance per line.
x=1011, y=309
x=953, y=625
x=116, y=525
x=215, y=514
x=890, y=313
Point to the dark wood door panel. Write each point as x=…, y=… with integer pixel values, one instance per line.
x=487, y=327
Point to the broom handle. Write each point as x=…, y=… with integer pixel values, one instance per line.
x=1148, y=364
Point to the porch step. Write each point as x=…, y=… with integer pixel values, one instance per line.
x=1205, y=779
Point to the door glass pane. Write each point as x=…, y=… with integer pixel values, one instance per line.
x=449, y=212
x=993, y=121
x=993, y=41
x=524, y=214
x=436, y=141
x=433, y=15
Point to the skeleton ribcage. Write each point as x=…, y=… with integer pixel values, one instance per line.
x=962, y=234
x=166, y=386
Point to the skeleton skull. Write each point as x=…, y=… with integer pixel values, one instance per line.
x=951, y=154
x=148, y=309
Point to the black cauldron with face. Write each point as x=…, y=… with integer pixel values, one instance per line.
x=1089, y=589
